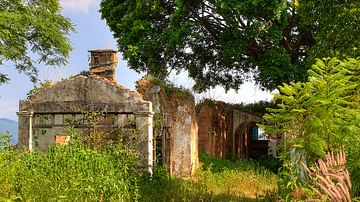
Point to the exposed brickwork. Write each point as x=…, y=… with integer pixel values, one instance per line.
x=181, y=119
x=222, y=130
x=103, y=63
x=213, y=129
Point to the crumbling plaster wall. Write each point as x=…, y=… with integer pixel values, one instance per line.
x=48, y=113
x=181, y=119
x=240, y=118
x=214, y=121
x=218, y=123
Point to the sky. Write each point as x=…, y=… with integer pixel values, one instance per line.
x=93, y=33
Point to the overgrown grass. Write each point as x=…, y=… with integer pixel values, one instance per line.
x=67, y=173
x=79, y=173
x=216, y=180
x=237, y=178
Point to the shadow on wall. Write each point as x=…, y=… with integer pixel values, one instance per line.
x=250, y=141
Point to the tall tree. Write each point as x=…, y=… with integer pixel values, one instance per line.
x=225, y=42
x=32, y=32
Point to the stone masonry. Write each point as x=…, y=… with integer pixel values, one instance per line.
x=45, y=116
x=224, y=131
x=176, y=126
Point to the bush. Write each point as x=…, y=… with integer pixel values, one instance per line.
x=270, y=163
x=319, y=116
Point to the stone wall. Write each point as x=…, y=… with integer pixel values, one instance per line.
x=46, y=115
x=241, y=124
x=221, y=127
x=214, y=128
x=177, y=124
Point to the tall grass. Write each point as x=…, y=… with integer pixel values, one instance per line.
x=216, y=180
x=237, y=178
x=67, y=173
x=78, y=172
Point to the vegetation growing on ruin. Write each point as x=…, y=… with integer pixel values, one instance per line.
x=80, y=172
x=82, y=73
x=218, y=43
x=258, y=108
x=39, y=87
x=169, y=88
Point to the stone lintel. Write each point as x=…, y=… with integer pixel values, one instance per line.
x=83, y=106
x=25, y=113
x=144, y=113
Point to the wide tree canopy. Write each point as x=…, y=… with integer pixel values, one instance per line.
x=226, y=42
x=32, y=32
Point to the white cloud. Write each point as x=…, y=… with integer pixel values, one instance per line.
x=248, y=93
x=78, y=5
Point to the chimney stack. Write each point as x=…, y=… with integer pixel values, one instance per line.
x=103, y=62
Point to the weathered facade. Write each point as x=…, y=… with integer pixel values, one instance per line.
x=214, y=128
x=226, y=132
x=45, y=116
x=171, y=130
x=176, y=128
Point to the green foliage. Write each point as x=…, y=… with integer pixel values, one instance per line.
x=162, y=187
x=320, y=115
x=5, y=139
x=169, y=88
x=226, y=42
x=69, y=173
x=334, y=34
x=33, y=32
x=217, y=180
x=257, y=107
x=77, y=172
x=223, y=176
x=271, y=163
x=43, y=85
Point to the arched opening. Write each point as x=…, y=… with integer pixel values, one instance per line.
x=250, y=141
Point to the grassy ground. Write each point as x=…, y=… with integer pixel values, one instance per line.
x=216, y=180
x=79, y=173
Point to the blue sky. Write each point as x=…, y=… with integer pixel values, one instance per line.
x=93, y=33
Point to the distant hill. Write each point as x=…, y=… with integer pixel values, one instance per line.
x=12, y=126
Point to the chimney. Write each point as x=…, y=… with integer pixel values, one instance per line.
x=103, y=62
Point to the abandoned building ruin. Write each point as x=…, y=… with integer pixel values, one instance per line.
x=227, y=132
x=46, y=114
x=175, y=126
x=173, y=131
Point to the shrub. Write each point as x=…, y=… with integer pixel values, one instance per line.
x=319, y=116
x=271, y=163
